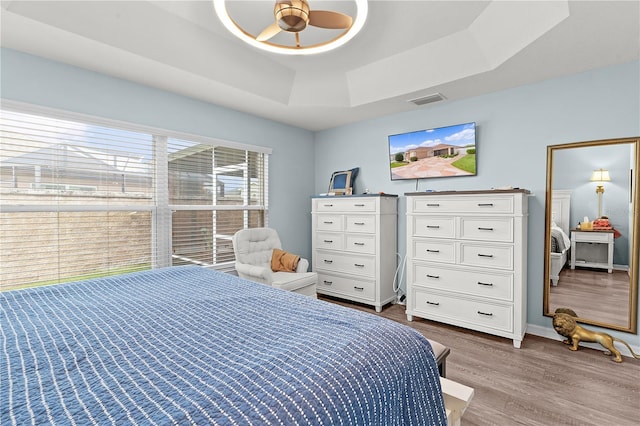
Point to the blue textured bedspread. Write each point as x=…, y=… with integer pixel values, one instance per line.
x=187, y=345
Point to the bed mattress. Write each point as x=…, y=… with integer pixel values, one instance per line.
x=187, y=345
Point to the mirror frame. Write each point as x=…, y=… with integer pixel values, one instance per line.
x=635, y=223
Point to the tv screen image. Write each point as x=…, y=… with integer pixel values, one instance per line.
x=439, y=152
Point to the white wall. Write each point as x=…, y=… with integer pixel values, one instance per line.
x=514, y=128
x=38, y=81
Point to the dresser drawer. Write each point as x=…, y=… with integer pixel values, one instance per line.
x=366, y=224
x=434, y=226
x=487, y=229
x=347, y=263
x=345, y=205
x=592, y=237
x=329, y=241
x=486, y=255
x=460, y=310
x=350, y=287
x=434, y=250
x=493, y=285
x=328, y=222
x=460, y=204
x=361, y=243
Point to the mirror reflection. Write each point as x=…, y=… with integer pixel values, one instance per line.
x=591, y=247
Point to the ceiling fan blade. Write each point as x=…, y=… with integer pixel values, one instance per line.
x=269, y=32
x=329, y=19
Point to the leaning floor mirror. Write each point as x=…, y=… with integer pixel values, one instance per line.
x=592, y=228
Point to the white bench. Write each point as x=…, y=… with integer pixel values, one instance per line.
x=456, y=396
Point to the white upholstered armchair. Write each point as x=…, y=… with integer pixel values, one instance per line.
x=253, y=249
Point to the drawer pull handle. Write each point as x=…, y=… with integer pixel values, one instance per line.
x=433, y=205
x=486, y=314
x=437, y=277
x=485, y=255
x=433, y=226
x=328, y=241
x=359, y=288
x=433, y=303
x=433, y=251
x=358, y=244
x=359, y=265
x=328, y=222
x=487, y=284
x=327, y=282
x=358, y=223
x=328, y=205
x=485, y=204
x=358, y=205
x=328, y=261
x=484, y=229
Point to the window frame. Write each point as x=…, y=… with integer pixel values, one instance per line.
x=161, y=209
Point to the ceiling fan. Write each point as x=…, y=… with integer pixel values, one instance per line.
x=294, y=15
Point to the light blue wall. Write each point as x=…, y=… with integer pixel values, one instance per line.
x=514, y=128
x=38, y=81
x=572, y=170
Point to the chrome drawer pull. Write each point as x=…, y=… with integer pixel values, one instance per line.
x=485, y=314
x=328, y=241
x=358, y=244
x=487, y=284
x=433, y=205
x=433, y=303
x=328, y=282
x=433, y=226
x=328, y=205
x=485, y=229
x=328, y=261
x=358, y=223
x=437, y=277
x=328, y=223
x=433, y=251
x=358, y=265
x=358, y=205
x=485, y=204
x=359, y=288
x=485, y=255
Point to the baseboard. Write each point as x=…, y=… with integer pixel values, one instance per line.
x=548, y=333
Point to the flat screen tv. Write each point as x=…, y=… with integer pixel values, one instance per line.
x=434, y=153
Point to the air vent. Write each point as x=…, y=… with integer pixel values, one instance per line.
x=436, y=97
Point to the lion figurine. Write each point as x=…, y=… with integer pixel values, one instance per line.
x=566, y=325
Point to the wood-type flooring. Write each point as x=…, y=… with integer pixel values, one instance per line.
x=593, y=294
x=542, y=383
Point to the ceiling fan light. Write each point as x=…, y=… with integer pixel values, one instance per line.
x=362, y=8
x=292, y=16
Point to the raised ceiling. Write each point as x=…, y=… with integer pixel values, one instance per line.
x=406, y=50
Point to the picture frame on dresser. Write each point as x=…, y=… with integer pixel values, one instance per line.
x=340, y=182
x=467, y=260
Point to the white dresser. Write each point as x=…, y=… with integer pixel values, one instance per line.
x=467, y=260
x=355, y=247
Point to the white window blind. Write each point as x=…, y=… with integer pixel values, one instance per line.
x=214, y=191
x=79, y=200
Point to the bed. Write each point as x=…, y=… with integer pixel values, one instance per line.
x=187, y=345
x=560, y=244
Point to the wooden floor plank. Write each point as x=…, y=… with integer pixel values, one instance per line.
x=542, y=383
x=591, y=293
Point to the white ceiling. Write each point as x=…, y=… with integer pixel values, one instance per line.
x=406, y=50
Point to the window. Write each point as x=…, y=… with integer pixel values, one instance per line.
x=81, y=199
x=213, y=192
